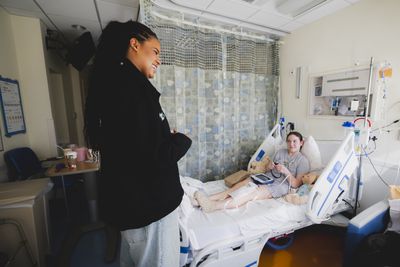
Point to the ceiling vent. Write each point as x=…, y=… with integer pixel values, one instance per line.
x=295, y=8
x=256, y=2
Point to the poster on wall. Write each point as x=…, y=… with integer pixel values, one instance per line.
x=11, y=105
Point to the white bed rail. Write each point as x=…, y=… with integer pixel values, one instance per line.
x=233, y=252
x=333, y=185
x=184, y=246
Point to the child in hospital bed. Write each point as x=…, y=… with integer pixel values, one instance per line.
x=286, y=169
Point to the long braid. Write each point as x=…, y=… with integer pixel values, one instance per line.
x=111, y=50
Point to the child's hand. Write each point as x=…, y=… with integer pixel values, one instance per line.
x=282, y=169
x=271, y=165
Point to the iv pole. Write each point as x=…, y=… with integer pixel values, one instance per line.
x=363, y=146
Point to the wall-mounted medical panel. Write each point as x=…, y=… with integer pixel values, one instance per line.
x=346, y=83
x=344, y=93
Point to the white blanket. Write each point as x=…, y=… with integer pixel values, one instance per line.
x=256, y=217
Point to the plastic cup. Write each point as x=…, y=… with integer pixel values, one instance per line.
x=71, y=157
x=81, y=151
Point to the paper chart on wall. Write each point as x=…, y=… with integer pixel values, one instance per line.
x=11, y=105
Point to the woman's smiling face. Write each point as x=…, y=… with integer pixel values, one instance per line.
x=146, y=55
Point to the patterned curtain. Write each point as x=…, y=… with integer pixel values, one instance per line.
x=219, y=89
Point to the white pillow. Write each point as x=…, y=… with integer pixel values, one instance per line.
x=311, y=151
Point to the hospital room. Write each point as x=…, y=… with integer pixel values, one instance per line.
x=244, y=133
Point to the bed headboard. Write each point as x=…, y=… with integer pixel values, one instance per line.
x=269, y=145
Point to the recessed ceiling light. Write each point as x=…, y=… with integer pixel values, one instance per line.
x=78, y=27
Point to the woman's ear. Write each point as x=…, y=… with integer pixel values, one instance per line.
x=134, y=44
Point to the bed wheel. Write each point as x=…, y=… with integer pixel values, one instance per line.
x=279, y=243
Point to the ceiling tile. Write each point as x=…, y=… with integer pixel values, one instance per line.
x=260, y=12
x=196, y=4
x=130, y=3
x=72, y=8
x=110, y=11
x=20, y=4
x=33, y=14
x=268, y=19
x=232, y=9
x=291, y=26
x=70, y=33
x=261, y=3
x=322, y=11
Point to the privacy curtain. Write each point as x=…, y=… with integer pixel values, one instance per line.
x=219, y=89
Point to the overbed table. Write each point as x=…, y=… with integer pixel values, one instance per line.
x=112, y=235
x=88, y=169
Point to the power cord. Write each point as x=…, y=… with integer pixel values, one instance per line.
x=374, y=138
x=373, y=166
x=383, y=127
x=348, y=203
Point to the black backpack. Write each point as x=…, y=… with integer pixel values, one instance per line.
x=379, y=250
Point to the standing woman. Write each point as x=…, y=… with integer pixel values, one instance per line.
x=139, y=186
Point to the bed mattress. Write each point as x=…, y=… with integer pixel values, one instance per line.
x=254, y=218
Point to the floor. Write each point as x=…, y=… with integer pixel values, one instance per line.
x=313, y=246
x=89, y=251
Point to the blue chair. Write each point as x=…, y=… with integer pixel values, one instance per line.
x=22, y=163
x=371, y=220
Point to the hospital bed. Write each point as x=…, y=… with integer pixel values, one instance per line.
x=236, y=237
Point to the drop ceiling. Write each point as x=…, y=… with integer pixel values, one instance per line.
x=272, y=16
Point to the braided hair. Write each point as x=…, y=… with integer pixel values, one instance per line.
x=111, y=50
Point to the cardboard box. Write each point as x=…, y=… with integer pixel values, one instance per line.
x=26, y=202
x=236, y=178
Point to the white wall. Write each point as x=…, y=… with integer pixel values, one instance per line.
x=58, y=107
x=72, y=130
x=366, y=29
x=25, y=58
x=8, y=69
x=77, y=106
x=29, y=45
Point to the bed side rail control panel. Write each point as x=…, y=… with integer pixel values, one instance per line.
x=334, y=184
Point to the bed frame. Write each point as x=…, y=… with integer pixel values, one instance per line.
x=334, y=192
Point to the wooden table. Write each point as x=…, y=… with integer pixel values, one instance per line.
x=88, y=169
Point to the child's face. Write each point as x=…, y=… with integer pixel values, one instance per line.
x=293, y=143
